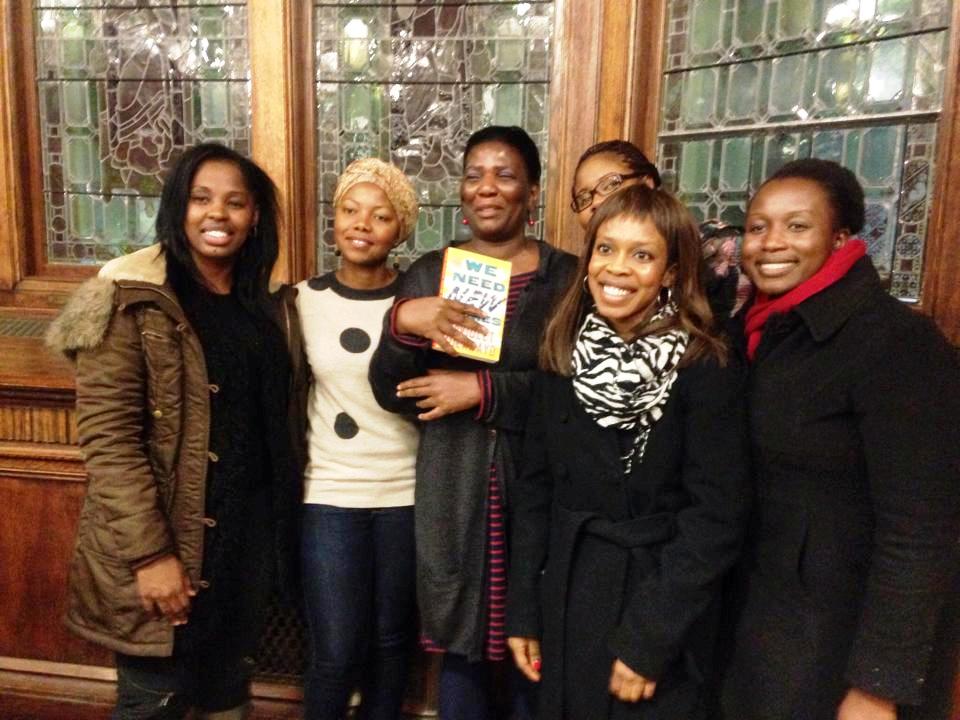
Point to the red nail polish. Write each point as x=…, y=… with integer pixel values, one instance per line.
x=536, y=664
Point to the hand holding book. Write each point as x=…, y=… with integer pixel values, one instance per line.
x=440, y=320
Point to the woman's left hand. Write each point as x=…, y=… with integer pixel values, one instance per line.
x=442, y=392
x=860, y=705
x=628, y=686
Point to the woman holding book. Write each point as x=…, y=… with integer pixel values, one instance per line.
x=634, y=491
x=473, y=413
x=357, y=545
x=850, y=605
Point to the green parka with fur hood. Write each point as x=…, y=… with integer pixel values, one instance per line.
x=143, y=413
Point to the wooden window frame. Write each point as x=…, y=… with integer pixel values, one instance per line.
x=611, y=90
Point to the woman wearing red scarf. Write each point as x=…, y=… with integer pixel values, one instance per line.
x=855, y=429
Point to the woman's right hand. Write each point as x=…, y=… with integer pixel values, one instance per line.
x=165, y=589
x=440, y=320
x=526, y=654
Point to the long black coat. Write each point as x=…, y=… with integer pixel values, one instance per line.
x=632, y=564
x=456, y=451
x=855, y=426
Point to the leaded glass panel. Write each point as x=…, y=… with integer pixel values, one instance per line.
x=409, y=82
x=123, y=87
x=753, y=84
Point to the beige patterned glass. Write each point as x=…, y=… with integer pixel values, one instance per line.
x=752, y=84
x=408, y=82
x=123, y=87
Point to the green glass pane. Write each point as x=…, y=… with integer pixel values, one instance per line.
x=794, y=18
x=214, y=104
x=888, y=64
x=851, y=153
x=81, y=216
x=837, y=86
x=881, y=153
x=892, y=9
x=928, y=71
x=707, y=24
x=115, y=220
x=841, y=14
x=699, y=96
x=735, y=169
x=508, y=105
x=146, y=218
x=750, y=20
x=76, y=104
x=357, y=108
x=429, y=234
x=742, y=91
x=780, y=150
x=79, y=161
x=828, y=145
x=73, y=45
x=786, y=86
x=695, y=166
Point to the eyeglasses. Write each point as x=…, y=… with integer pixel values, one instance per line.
x=609, y=183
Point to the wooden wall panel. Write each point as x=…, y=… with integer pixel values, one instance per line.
x=38, y=520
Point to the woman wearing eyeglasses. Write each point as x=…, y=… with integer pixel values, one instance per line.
x=605, y=168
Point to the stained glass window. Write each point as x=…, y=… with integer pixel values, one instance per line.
x=123, y=87
x=408, y=82
x=752, y=84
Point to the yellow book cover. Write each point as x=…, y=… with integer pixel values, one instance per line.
x=483, y=282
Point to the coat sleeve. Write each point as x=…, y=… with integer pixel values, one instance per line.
x=709, y=529
x=511, y=392
x=111, y=410
x=395, y=360
x=909, y=419
x=531, y=497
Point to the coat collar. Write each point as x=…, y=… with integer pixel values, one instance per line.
x=828, y=311
x=144, y=266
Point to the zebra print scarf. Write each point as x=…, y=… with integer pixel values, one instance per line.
x=625, y=385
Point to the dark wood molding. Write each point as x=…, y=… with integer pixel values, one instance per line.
x=281, y=63
x=940, y=297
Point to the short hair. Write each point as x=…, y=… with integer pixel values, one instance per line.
x=674, y=222
x=839, y=184
x=514, y=136
x=255, y=260
x=631, y=155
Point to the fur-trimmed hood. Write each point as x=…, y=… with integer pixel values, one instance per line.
x=85, y=318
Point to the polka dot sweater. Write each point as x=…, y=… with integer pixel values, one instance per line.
x=360, y=456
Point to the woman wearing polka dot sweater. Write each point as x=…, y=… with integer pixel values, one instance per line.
x=357, y=543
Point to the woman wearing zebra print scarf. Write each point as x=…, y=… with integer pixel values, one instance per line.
x=632, y=502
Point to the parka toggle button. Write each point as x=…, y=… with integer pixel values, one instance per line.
x=158, y=413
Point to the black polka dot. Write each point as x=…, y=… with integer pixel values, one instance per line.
x=345, y=426
x=354, y=340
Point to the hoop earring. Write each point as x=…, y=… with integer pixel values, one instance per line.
x=586, y=288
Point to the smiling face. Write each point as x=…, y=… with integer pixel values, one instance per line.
x=593, y=174
x=365, y=226
x=789, y=234
x=220, y=213
x=627, y=269
x=495, y=192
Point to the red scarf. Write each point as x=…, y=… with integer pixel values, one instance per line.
x=836, y=266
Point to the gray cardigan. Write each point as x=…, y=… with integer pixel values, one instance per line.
x=456, y=451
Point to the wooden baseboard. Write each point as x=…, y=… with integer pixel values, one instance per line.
x=40, y=690
x=37, y=690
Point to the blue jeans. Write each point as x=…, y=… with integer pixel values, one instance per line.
x=359, y=592
x=165, y=688
x=484, y=690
